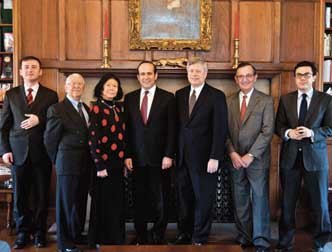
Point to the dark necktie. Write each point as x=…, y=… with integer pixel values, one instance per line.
x=303, y=110
x=80, y=111
x=192, y=101
x=30, y=97
x=243, y=108
x=144, y=107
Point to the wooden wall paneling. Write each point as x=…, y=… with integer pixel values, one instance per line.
x=49, y=78
x=17, y=40
x=287, y=82
x=297, y=31
x=256, y=31
x=120, y=33
x=83, y=30
x=221, y=44
x=39, y=21
x=276, y=34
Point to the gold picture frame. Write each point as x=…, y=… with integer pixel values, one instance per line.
x=170, y=24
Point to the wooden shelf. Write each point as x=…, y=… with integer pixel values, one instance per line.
x=6, y=79
x=6, y=53
x=6, y=25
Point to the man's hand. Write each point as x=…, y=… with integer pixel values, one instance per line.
x=236, y=160
x=294, y=134
x=166, y=163
x=304, y=132
x=212, y=165
x=247, y=160
x=102, y=174
x=8, y=158
x=129, y=164
x=31, y=122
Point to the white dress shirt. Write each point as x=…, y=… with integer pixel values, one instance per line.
x=151, y=93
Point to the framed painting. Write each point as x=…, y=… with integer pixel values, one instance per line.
x=170, y=24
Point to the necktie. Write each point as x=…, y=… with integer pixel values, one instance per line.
x=192, y=101
x=243, y=108
x=29, y=96
x=303, y=110
x=80, y=111
x=144, y=107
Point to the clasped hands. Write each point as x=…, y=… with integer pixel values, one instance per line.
x=166, y=163
x=299, y=133
x=241, y=162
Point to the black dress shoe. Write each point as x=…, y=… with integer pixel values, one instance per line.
x=182, y=239
x=40, y=242
x=70, y=250
x=22, y=240
x=155, y=239
x=138, y=241
x=197, y=243
x=81, y=240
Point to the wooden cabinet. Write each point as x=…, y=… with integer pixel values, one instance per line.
x=6, y=47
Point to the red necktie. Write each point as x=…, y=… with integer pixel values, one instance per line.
x=243, y=108
x=144, y=107
x=29, y=96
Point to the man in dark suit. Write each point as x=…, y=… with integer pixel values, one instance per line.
x=66, y=141
x=251, y=127
x=22, y=126
x=303, y=122
x=150, y=120
x=202, y=130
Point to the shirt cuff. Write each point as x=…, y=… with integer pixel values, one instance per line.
x=312, y=138
x=286, y=134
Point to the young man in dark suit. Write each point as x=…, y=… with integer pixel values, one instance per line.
x=202, y=130
x=150, y=121
x=66, y=141
x=303, y=122
x=22, y=127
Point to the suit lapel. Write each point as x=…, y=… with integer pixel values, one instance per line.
x=235, y=107
x=39, y=96
x=200, y=100
x=72, y=112
x=251, y=105
x=312, y=106
x=23, y=96
x=136, y=106
x=186, y=102
x=293, y=107
x=154, y=105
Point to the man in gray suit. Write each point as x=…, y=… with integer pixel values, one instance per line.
x=251, y=126
x=303, y=122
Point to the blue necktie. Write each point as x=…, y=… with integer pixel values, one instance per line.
x=303, y=110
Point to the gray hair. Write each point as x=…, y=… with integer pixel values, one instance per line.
x=199, y=61
x=72, y=76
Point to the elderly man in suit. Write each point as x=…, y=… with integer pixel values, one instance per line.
x=150, y=139
x=21, y=145
x=66, y=141
x=303, y=122
x=202, y=130
x=251, y=127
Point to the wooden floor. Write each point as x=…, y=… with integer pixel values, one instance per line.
x=221, y=240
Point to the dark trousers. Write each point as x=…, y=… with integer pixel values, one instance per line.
x=251, y=199
x=316, y=183
x=107, y=217
x=71, y=200
x=151, y=192
x=196, y=191
x=31, y=183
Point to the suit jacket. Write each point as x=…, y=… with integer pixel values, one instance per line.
x=254, y=134
x=66, y=139
x=318, y=119
x=20, y=141
x=202, y=135
x=148, y=144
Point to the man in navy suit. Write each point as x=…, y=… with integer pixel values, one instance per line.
x=150, y=139
x=21, y=145
x=66, y=141
x=303, y=122
x=202, y=130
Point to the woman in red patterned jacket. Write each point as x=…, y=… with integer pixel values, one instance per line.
x=107, y=225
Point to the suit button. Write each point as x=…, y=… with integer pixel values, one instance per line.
x=81, y=141
x=300, y=149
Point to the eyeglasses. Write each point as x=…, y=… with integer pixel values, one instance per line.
x=247, y=76
x=304, y=75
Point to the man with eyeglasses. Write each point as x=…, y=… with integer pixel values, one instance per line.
x=303, y=122
x=251, y=127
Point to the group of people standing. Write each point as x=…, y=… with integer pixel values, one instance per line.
x=151, y=133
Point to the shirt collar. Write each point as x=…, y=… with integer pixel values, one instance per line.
x=152, y=90
x=197, y=89
x=74, y=102
x=34, y=88
x=309, y=93
x=241, y=94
